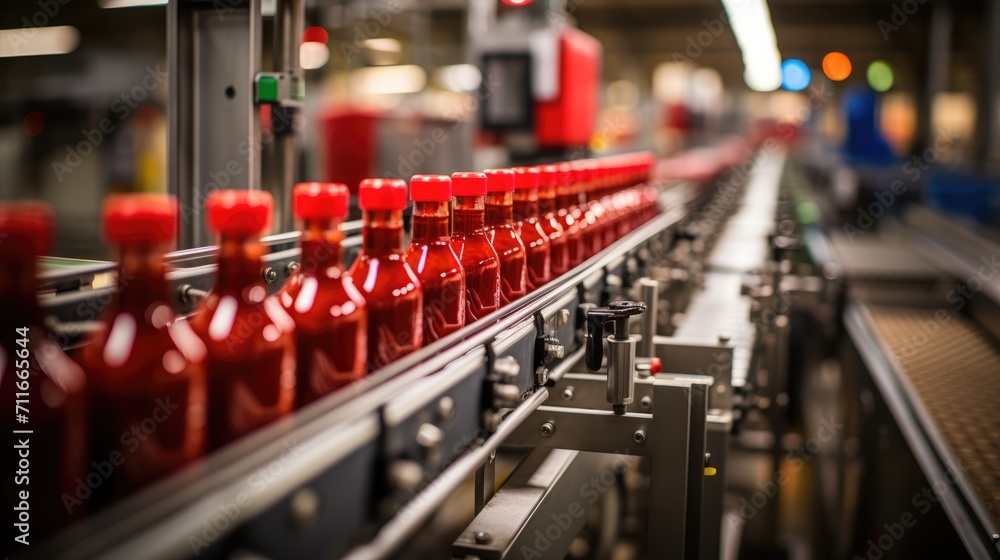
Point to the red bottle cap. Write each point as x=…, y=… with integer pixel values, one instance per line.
x=140, y=218
x=430, y=188
x=320, y=200
x=382, y=194
x=468, y=184
x=526, y=178
x=25, y=226
x=564, y=174
x=548, y=175
x=239, y=212
x=499, y=180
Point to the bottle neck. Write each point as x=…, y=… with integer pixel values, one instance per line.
x=499, y=208
x=383, y=232
x=430, y=222
x=18, y=290
x=321, y=238
x=546, y=199
x=525, y=204
x=141, y=278
x=470, y=214
x=239, y=263
x=567, y=197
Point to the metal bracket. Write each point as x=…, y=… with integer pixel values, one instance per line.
x=673, y=437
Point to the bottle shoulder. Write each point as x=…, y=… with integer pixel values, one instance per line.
x=380, y=276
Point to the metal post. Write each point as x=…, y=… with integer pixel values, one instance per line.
x=288, y=23
x=938, y=55
x=486, y=482
x=668, y=469
x=649, y=294
x=988, y=132
x=213, y=53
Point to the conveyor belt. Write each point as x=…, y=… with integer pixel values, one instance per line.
x=721, y=308
x=955, y=371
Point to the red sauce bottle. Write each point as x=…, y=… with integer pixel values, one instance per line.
x=595, y=207
x=331, y=318
x=503, y=235
x=391, y=288
x=146, y=370
x=551, y=226
x=567, y=199
x=536, y=243
x=584, y=216
x=51, y=389
x=250, y=337
x=431, y=257
x=479, y=259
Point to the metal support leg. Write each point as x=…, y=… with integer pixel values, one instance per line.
x=649, y=294
x=668, y=469
x=486, y=482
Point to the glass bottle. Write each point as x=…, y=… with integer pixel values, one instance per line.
x=432, y=259
x=330, y=314
x=558, y=242
x=250, y=337
x=50, y=388
x=536, y=243
x=143, y=366
x=503, y=235
x=389, y=285
x=479, y=259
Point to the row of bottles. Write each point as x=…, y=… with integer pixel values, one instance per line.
x=161, y=390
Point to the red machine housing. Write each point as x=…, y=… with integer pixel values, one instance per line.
x=569, y=118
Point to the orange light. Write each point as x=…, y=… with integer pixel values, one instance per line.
x=837, y=66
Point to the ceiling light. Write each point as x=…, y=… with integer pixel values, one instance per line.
x=38, y=41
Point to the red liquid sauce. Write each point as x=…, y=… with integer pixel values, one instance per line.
x=147, y=380
x=600, y=225
x=391, y=289
x=479, y=259
x=503, y=236
x=330, y=314
x=56, y=404
x=439, y=270
x=535, y=241
x=575, y=248
x=553, y=229
x=610, y=220
x=251, y=349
